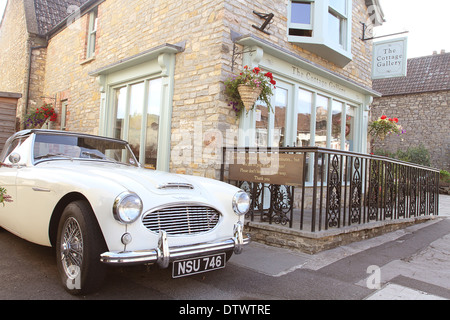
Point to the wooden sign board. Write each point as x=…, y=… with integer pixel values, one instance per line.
x=276, y=168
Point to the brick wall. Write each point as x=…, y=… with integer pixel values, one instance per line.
x=426, y=119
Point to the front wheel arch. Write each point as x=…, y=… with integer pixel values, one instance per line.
x=58, y=211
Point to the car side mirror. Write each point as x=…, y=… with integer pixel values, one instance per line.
x=14, y=158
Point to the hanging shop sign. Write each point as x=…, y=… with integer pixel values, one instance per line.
x=389, y=59
x=275, y=168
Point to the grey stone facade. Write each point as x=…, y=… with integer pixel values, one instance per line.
x=421, y=102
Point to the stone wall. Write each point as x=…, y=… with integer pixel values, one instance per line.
x=14, y=49
x=17, y=43
x=126, y=28
x=426, y=119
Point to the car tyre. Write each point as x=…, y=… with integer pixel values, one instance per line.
x=78, y=248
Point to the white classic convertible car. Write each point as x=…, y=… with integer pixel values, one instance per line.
x=89, y=198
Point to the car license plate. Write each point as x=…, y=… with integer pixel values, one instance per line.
x=181, y=268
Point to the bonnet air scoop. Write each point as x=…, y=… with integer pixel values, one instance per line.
x=175, y=185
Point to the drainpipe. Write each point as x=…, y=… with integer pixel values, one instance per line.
x=27, y=98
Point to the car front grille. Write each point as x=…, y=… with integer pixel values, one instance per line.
x=182, y=219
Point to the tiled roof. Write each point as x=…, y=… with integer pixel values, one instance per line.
x=425, y=74
x=50, y=12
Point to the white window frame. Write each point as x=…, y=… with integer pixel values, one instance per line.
x=301, y=26
x=319, y=42
x=92, y=34
x=64, y=106
x=111, y=117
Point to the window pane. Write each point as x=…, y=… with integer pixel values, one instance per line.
x=278, y=135
x=120, y=97
x=336, y=121
x=321, y=121
x=135, y=117
x=301, y=12
x=262, y=125
x=350, y=129
x=339, y=5
x=304, y=118
x=153, y=121
x=335, y=28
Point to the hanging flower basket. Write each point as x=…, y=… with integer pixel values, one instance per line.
x=244, y=90
x=37, y=118
x=385, y=126
x=248, y=95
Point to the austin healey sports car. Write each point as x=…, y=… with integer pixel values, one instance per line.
x=89, y=197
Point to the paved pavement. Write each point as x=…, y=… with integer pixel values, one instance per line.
x=415, y=260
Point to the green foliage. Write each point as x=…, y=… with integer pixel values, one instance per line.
x=3, y=196
x=418, y=155
x=444, y=176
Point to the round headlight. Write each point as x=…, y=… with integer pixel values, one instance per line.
x=241, y=203
x=127, y=207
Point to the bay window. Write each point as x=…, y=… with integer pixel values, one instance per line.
x=322, y=27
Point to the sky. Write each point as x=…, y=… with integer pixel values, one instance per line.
x=427, y=24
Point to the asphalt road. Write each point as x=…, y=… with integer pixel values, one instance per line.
x=415, y=258
x=28, y=271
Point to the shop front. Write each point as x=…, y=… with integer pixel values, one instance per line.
x=312, y=106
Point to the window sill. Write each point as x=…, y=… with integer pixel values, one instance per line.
x=86, y=61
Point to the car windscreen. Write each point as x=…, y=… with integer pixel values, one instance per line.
x=51, y=147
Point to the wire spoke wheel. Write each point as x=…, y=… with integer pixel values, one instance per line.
x=78, y=248
x=72, y=248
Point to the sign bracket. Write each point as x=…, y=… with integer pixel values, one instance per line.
x=364, y=26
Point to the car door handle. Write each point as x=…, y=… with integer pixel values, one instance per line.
x=41, y=189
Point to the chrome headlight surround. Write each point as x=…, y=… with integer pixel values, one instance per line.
x=241, y=203
x=127, y=207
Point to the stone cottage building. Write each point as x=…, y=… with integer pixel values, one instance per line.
x=152, y=72
x=421, y=101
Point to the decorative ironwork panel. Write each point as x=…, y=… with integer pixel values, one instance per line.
x=281, y=198
x=334, y=193
x=423, y=192
x=356, y=193
x=432, y=192
x=402, y=190
x=374, y=186
x=413, y=192
x=389, y=190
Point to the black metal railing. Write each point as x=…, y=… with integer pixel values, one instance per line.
x=337, y=189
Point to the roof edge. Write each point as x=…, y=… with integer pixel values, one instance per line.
x=87, y=6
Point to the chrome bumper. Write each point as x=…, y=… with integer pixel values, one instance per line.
x=164, y=254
